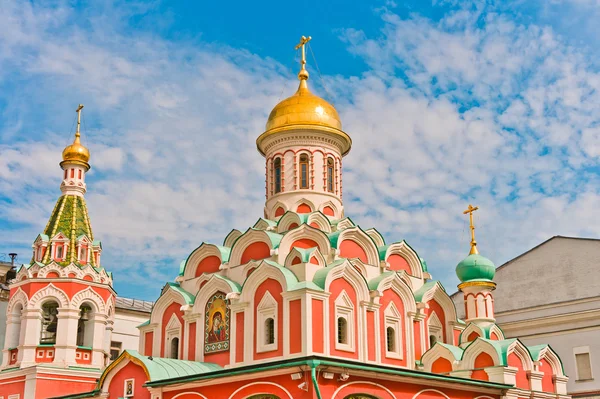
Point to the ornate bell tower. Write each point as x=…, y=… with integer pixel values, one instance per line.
x=303, y=145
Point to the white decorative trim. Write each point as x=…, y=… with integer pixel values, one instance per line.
x=435, y=327
x=376, y=236
x=49, y=292
x=198, y=255
x=172, y=330
x=189, y=393
x=231, y=238
x=260, y=383
x=90, y=295
x=248, y=238
x=320, y=219
x=365, y=383
x=303, y=232
x=19, y=297
x=411, y=257
x=357, y=235
x=344, y=308
x=436, y=352
x=266, y=309
x=431, y=390
x=393, y=319
x=475, y=349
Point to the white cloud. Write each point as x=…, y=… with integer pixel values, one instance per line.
x=485, y=110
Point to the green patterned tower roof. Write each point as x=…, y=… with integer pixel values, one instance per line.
x=70, y=218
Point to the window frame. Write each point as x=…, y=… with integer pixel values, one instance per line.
x=393, y=320
x=266, y=309
x=277, y=165
x=330, y=175
x=304, y=160
x=345, y=308
x=583, y=350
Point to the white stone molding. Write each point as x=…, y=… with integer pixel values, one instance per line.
x=346, y=271
x=49, y=269
x=266, y=309
x=231, y=238
x=303, y=232
x=443, y=299
x=71, y=268
x=436, y=352
x=287, y=220
x=272, y=209
x=198, y=255
x=320, y=219
x=495, y=329
x=345, y=223
x=336, y=210
x=435, y=327
x=475, y=349
x=303, y=201
x=368, y=383
x=163, y=302
x=522, y=353
x=394, y=319
x=212, y=286
x=90, y=296
x=412, y=258
x=357, y=235
x=47, y=293
x=400, y=286
x=19, y=297
x=258, y=383
x=263, y=272
x=249, y=237
x=553, y=360
x=471, y=328
x=344, y=308
x=172, y=330
x=376, y=237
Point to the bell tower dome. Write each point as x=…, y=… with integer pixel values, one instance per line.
x=303, y=145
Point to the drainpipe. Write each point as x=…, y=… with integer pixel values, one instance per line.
x=313, y=374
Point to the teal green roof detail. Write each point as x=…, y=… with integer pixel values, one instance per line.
x=321, y=275
x=97, y=243
x=147, y=322
x=456, y=351
x=288, y=275
x=235, y=287
x=275, y=238
x=374, y=282
x=305, y=253
x=162, y=368
x=44, y=237
x=333, y=238
x=420, y=293
x=189, y=298
x=225, y=252
x=382, y=251
x=269, y=222
x=536, y=350
x=475, y=268
x=69, y=217
x=424, y=265
x=182, y=265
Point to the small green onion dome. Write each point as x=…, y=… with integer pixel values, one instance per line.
x=475, y=267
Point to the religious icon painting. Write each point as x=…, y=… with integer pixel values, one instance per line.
x=128, y=388
x=216, y=324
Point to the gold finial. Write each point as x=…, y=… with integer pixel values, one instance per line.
x=303, y=74
x=470, y=211
x=78, y=110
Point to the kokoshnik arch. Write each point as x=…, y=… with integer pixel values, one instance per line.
x=303, y=304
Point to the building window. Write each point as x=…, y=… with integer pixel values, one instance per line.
x=303, y=171
x=342, y=331
x=393, y=332
x=266, y=324
x=65, y=174
x=330, y=174
x=115, y=349
x=277, y=174
x=344, y=316
x=436, y=329
x=269, y=331
x=83, y=251
x=49, y=323
x=583, y=363
x=79, y=173
x=60, y=249
x=85, y=329
x=390, y=339
x=175, y=348
x=72, y=173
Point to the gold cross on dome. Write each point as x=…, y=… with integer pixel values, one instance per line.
x=302, y=44
x=78, y=110
x=470, y=211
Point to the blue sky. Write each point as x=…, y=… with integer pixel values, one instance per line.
x=494, y=103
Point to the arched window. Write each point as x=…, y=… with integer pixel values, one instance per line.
x=85, y=326
x=175, y=348
x=49, y=323
x=390, y=339
x=277, y=174
x=330, y=169
x=303, y=171
x=342, y=333
x=432, y=340
x=13, y=337
x=59, y=251
x=269, y=331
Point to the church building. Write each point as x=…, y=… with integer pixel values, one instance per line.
x=303, y=304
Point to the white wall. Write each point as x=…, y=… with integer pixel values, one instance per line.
x=125, y=330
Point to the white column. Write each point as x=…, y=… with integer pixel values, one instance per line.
x=31, y=324
x=99, y=342
x=66, y=337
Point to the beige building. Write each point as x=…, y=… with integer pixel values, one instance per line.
x=551, y=294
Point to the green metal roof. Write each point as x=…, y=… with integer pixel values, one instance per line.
x=475, y=268
x=420, y=293
x=189, y=298
x=69, y=217
x=321, y=274
x=235, y=287
x=374, y=282
x=305, y=253
x=456, y=351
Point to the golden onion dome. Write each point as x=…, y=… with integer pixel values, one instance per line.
x=305, y=110
x=76, y=152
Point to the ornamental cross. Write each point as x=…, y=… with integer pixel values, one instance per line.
x=78, y=110
x=302, y=44
x=470, y=211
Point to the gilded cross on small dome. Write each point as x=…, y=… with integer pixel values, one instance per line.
x=78, y=110
x=470, y=211
x=303, y=74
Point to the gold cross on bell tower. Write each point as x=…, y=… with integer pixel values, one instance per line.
x=470, y=211
x=303, y=75
x=78, y=110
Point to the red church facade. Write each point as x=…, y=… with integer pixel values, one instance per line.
x=307, y=304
